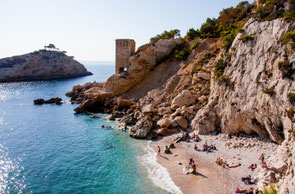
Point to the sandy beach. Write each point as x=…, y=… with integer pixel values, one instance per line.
x=211, y=178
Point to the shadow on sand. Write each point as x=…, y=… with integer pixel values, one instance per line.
x=200, y=174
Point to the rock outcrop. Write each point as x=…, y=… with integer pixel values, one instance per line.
x=41, y=101
x=40, y=65
x=243, y=104
x=140, y=64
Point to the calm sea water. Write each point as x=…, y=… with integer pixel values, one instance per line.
x=49, y=149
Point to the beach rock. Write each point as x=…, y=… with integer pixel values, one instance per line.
x=185, y=98
x=165, y=131
x=142, y=128
x=172, y=146
x=164, y=123
x=40, y=65
x=127, y=119
x=181, y=121
x=122, y=126
x=164, y=111
x=167, y=150
x=150, y=108
x=50, y=101
x=93, y=103
x=112, y=118
x=123, y=103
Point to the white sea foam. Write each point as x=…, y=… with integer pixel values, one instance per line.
x=157, y=173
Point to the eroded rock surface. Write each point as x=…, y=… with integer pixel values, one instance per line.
x=252, y=67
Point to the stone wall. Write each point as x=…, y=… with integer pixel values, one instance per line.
x=124, y=49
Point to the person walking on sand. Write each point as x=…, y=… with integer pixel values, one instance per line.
x=159, y=149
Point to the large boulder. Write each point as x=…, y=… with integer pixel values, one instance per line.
x=164, y=123
x=165, y=131
x=123, y=103
x=150, y=108
x=95, y=103
x=181, y=121
x=142, y=128
x=185, y=98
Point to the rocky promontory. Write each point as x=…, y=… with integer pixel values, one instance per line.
x=40, y=65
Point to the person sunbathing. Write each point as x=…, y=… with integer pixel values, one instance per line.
x=253, y=166
x=241, y=190
x=261, y=157
x=195, y=147
x=251, y=191
x=248, y=180
x=263, y=165
x=219, y=161
x=234, y=166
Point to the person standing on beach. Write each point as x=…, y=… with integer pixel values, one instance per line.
x=159, y=149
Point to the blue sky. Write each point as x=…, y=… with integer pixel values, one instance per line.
x=87, y=29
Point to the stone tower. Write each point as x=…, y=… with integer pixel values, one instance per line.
x=124, y=49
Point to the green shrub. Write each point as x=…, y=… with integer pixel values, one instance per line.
x=220, y=65
x=224, y=79
x=290, y=113
x=241, y=30
x=182, y=54
x=198, y=68
x=270, y=10
x=290, y=13
x=192, y=34
x=289, y=37
x=271, y=189
x=292, y=132
x=269, y=91
x=246, y=38
x=291, y=97
x=166, y=35
x=195, y=43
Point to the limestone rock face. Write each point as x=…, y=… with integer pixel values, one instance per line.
x=185, y=98
x=140, y=64
x=40, y=65
x=252, y=67
x=142, y=128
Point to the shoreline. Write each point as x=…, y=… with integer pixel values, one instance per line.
x=210, y=178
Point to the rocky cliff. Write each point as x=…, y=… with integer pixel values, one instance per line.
x=241, y=104
x=40, y=65
x=244, y=88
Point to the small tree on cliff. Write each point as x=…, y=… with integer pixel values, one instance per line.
x=51, y=47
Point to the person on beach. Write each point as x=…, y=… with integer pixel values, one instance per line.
x=195, y=147
x=261, y=157
x=253, y=166
x=159, y=149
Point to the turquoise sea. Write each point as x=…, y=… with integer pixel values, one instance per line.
x=49, y=149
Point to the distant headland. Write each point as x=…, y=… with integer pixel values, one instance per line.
x=45, y=64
